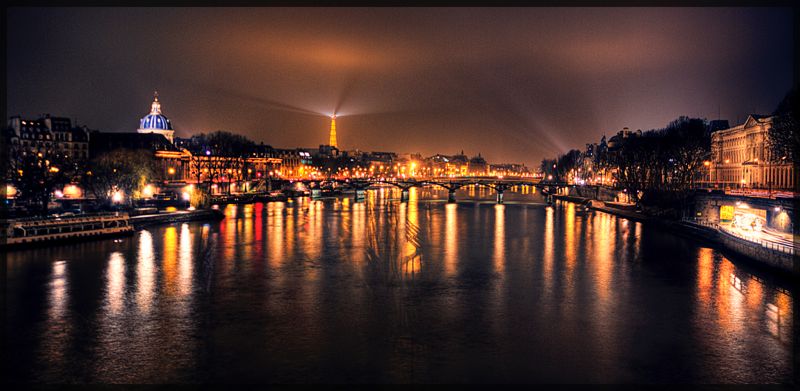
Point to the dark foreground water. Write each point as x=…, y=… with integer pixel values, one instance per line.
x=336, y=291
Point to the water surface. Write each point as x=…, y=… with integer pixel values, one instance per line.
x=379, y=291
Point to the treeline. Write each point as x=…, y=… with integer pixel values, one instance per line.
x=219, y=157
x=657, y=160
x=659, y=167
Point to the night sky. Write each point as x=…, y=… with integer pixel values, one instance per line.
x=515, y=85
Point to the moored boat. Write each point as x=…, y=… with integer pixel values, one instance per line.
x=31, y=231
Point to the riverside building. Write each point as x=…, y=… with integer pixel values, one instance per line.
x=741, y=158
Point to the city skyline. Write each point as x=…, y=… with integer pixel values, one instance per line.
x=401, y=195
x=275, y=80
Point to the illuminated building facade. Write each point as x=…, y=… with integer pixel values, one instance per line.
x=459, y=166
x=204, y=163
x=477, y=166
x=47, y=135
x=510, y=170
x=294, y=162
x=741, y=158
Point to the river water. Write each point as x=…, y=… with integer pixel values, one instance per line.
x=382, y=291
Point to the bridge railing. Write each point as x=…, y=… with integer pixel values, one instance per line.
x=764, y=243
x=750, y=238
x=703, y=222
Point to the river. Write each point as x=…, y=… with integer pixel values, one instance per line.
x=381, y=291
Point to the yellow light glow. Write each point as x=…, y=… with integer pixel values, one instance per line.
x=332, y=141
x=117, y=196
x=72, y=191
x=148, y=191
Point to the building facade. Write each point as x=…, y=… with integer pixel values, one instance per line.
x=510, y=170
x=294, y=162
x=48, y=136
x=741, y=158
x=477, y=166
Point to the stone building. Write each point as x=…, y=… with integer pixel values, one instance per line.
x=741, y=158
x=477, y=166
x=48, y=136
x=293, y=162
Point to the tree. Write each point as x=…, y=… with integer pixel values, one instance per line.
x=567, y=163
x=197, y=165
x=783, y=138
x=120, y=169
x=685, y=144
x=548, y=169
x=601, y=153
x=37, y=175
x=659, y=166
x=228, y=152
x=635, y=165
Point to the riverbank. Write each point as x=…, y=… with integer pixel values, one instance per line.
x=754, y=253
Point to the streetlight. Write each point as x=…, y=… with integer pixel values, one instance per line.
x=117, y=196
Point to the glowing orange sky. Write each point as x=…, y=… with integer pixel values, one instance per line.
x=516, y=85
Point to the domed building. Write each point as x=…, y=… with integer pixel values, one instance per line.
x=155, y=122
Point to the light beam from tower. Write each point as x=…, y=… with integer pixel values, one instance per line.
x=332, y=141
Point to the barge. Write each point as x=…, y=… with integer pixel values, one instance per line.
x=32, y=231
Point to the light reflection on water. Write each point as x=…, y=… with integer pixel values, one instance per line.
x=451, y=238
x=145, y=271
x=115, y=277
x=336, y=290
x=499, y=255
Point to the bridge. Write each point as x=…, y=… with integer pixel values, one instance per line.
x=499, y=185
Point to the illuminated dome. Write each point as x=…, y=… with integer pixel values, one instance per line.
x=155, y=122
